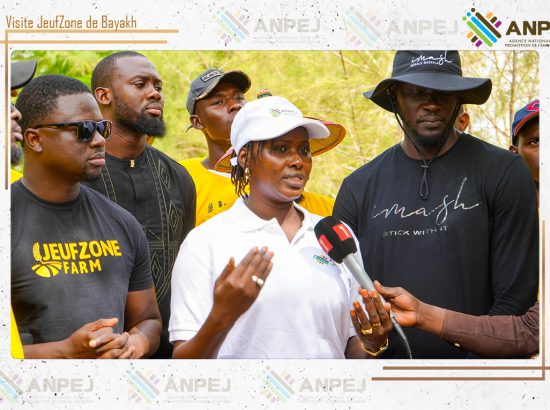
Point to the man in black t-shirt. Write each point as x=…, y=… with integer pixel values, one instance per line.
x=155, y=189
x=81, y=283
x=443, y=214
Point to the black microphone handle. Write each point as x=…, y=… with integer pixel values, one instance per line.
x=356, y=268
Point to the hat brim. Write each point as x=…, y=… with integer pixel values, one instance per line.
x=475, y=90
x=21, y=73
x=323, y=136
x=239, y=78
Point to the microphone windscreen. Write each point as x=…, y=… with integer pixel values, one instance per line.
x=335, y=238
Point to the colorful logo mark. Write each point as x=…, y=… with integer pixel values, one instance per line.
x=278, y=387
x=361, y=28
x=321, y=259
x=142, y=387
x=9, y=387
x=275, y=112
x=232, y=26
x=484, y=29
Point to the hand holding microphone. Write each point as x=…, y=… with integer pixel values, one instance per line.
x=338, y=243
x=372, y=330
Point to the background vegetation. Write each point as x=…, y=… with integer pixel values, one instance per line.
x=323, y=84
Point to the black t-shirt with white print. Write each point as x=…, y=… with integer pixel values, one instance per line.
x=472, y=246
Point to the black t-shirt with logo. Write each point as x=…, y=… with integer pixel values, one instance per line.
x=72, y=263
x=160, y=194
x=472, y=246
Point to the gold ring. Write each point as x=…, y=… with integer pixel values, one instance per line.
x=366, y=332
x=258, y=281
x=375, y=325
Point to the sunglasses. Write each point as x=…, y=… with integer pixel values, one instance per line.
x=85, y=130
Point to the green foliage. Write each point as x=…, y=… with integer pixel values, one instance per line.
x=323, y=84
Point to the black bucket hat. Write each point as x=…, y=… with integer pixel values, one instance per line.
x=435, y=69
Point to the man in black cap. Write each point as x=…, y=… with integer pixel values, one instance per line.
x=214, y=98
x=151, y=186
x=445, y=215
x=21, y=73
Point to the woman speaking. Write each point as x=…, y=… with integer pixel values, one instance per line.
x=253, y=282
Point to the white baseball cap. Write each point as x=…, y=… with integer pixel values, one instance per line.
x=270, y=117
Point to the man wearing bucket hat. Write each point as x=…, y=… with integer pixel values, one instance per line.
x=21, y=73
x=286, y=299
x=443, y=214
x=525, y=137
x=214, y=98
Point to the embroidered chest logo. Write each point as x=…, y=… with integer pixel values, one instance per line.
x=323, y=260
x=72, y=258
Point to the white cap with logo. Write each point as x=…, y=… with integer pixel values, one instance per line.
x=268, y=118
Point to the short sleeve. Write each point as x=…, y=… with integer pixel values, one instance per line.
x=345, y=207
x=192, y=288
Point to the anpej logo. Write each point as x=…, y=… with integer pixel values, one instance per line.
x=483, y=28
x=72, y=257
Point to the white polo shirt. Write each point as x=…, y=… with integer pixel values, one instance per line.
x=303, y=308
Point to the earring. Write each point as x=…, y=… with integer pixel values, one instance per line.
x=246, y=174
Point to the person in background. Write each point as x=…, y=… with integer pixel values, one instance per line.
x=525, y=138
x=155, y=189
x=21, y=73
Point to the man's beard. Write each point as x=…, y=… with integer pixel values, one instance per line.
x=16, y=154
x=140, y=123
x=430, y=142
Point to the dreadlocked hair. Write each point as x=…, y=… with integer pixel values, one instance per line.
x=238, y=175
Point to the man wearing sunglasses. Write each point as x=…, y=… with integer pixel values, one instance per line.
x=81, y=283
x=151, y=186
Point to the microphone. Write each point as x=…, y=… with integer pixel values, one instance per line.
x=338, y=243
